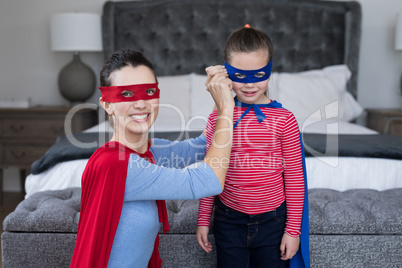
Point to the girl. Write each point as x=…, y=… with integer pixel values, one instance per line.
x=118, y=222
x=258, y=215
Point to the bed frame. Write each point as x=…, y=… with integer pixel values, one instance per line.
x=185, y=36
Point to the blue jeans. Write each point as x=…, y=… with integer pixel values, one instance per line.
x=242, y=239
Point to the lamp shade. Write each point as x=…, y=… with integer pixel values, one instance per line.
x=76, y=32
x=398, y=32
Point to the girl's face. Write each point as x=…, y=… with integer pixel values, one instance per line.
x=250, y=92
x=135, y=117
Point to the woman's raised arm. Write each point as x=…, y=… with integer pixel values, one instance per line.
x=218, y=155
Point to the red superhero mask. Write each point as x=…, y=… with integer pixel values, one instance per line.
x=130, y=92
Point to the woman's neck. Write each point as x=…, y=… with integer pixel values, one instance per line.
x=137, y=142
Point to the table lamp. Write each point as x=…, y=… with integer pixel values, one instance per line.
x=398, y=37
x=76, y=32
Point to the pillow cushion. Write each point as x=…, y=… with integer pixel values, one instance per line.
x=311, y=96
x=316, y=94
x=201, y=101
x=174, y=103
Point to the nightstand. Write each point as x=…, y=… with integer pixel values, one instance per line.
x=26, y=134
x=385, y=121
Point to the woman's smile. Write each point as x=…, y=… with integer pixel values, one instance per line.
x=140, y=118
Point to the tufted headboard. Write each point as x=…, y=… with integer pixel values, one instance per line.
x=185, y=36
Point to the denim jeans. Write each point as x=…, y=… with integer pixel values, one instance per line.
x=242, y=239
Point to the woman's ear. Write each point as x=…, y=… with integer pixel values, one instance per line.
x=109, y=107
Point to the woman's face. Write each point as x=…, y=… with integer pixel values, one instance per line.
x=135, y=117
x=250, y=92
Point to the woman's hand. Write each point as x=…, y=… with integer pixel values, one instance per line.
x=220, y=86
x=213, y=70
x=289, y=246
x=202, y=238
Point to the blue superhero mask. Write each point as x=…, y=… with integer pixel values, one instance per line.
x=249, y=76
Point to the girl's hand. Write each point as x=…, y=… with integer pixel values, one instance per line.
x=202, y=238
x=289, y=246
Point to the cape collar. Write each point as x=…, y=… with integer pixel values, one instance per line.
x=256, y=107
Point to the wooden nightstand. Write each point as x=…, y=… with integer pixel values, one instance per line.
x=26, y=134
x=385, y=121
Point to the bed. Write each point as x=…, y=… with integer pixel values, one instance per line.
x=314, y=75
x=336, y=148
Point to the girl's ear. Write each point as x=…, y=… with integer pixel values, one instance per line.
x=109, y=107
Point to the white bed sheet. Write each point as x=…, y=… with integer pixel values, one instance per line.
x=338, y=173
x=61, y=176
x=333, y=126
x=345, y=173
x=327, y=126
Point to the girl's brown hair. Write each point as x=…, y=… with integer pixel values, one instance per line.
x=247, y=39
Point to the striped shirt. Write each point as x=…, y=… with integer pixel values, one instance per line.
x=265, y=166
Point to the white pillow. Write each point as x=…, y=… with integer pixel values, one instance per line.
x=272, y=86
x=174, y=109
x=201, y=100
x=316, y=94
x=349, y=108
x=339, y=75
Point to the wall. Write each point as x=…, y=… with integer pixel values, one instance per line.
x=380, y=64
x=28, y=67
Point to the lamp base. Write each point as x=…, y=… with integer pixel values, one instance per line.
x=401, y=84
x=76, y=80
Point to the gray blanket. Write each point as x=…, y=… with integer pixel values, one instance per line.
x=82, y=146
x=376, y=146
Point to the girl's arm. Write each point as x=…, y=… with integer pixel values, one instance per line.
x=203, y=221
x=205, y=208
x=293, y=176
x=294, y=188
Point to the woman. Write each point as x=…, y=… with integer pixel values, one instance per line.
x=119, y=224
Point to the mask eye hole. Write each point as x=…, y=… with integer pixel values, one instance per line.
x=150, y=91
x=127, y=93
x=260, y=74
x=240, y=76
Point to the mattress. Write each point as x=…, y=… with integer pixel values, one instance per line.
x=332, y=172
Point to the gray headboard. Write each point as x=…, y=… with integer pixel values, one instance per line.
x=184, y=36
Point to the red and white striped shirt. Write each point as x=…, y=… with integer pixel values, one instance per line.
x=265, y=167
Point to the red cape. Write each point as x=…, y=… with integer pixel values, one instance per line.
x=103, y=186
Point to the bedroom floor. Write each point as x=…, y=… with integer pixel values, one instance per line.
x=10, y=201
